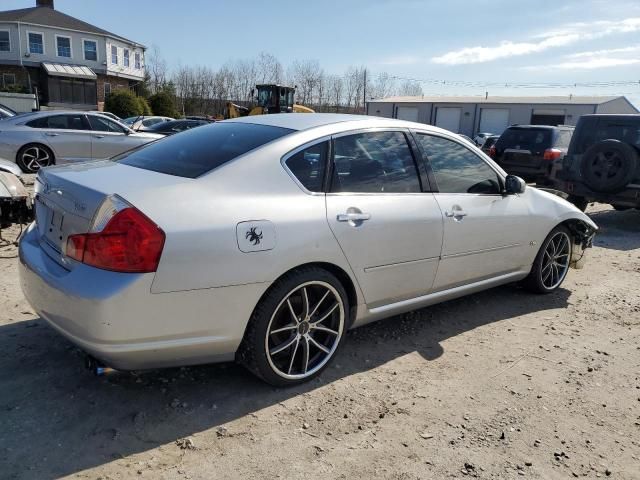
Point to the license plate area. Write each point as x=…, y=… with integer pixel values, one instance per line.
x=50, y=222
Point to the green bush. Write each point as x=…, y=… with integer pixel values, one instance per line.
x=124, y=103
x=163, y=104
x=144, y=106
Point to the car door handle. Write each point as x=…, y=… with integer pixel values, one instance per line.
x=455, y=214
x=51, y=134
x=353, y=217
x=98, y=136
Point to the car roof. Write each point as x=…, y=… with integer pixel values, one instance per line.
x=301, y=121
x=545, y=127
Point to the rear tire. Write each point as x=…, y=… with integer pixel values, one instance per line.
x=609, y=165
x=551, y=265
x=296, y=328
x=34, y=156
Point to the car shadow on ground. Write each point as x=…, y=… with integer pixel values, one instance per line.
x=57, y=419
x=618, y=230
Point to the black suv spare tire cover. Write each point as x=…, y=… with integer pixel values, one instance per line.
x=609, y=165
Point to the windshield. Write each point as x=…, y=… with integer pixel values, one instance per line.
x=200, y=150
x=525, y=139
x=264, y=97
x=129, y=120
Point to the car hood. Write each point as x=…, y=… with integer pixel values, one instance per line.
x=7, y=166
x=563, y=209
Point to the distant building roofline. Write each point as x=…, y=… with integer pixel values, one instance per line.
x=554, y=99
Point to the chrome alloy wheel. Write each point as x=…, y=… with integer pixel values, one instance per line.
x=305, y=330
x=555, y=260
x=34, y=158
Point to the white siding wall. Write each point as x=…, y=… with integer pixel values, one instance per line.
x=120, y=68
x=13, y=35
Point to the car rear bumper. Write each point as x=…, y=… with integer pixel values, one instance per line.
x=115, y=317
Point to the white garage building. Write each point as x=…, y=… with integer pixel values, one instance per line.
x=471, y=115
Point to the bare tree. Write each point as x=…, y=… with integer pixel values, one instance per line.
x=269, y=69
x=335, y=90
x=156, y=67
x=410, y=89
x=384, y=86
x=306, y=76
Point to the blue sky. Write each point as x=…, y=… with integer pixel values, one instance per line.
x=495, y=41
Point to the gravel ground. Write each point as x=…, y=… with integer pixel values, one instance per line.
x=501, y=384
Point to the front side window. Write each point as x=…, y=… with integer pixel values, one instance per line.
x=90, y=50
x=374, y=162
x=101, y=124
x=114, y=55
x=36, y=43
x=125, y=56
x=63, y=45
x=5, y=42
x=138, y=60
x=309, y=165
x=200, y=150
x=456, y=168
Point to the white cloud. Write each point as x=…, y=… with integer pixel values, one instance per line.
x=594, y=63
x=601, y=53
x=612, y=57
x=567, y=35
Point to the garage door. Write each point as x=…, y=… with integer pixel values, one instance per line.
x=494, y=120
x=407, y=113
x=448, y=118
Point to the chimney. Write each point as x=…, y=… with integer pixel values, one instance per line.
x=44, y=3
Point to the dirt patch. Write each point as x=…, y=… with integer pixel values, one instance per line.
x=501, y=384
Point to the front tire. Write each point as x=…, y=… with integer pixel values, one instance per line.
x=551, y=265
x=31, y=158
x=296, y=328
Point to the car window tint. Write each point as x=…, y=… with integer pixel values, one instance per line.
x=151, y=121
x=65, y=122
x=374, y=162
x=525, y=139
x=458, y=169
x=308, y=166
x=100, y=124
x=200, y=150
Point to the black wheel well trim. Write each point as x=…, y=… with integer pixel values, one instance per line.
x=581, y=231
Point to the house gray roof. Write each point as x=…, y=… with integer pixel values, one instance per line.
x=53, y=18
x=557, y=99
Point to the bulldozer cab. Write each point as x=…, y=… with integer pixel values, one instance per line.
x=275, y=98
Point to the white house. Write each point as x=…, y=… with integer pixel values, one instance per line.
x=68, y=63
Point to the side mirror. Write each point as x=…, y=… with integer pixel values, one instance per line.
x=514, y=185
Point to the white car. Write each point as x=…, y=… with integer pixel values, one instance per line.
x=265, y=238
x=41, y=139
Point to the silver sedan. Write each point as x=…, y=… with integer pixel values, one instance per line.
x=264, y=239
x=37, y=140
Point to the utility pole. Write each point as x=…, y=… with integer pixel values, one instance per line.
x=364, y=92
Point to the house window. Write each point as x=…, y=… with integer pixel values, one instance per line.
x=63, y=45
x=107, y=89
x=90, y=50
x=36, y=43
x=5, y=42
x=114, y=54
x=126, y=57
x=137, y=60
x=8, y=79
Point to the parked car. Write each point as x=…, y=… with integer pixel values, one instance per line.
x=144, y=124
x=6, y=112
x=36, y=140
x=266, y=238
x=481, y=137
x=468, y=139
x=489, y=142
x=112, y=116
x=176, y=126
x=603, y=162
x=11, y=167
x=530, y=151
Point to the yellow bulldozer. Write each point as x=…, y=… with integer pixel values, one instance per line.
x=271, y=98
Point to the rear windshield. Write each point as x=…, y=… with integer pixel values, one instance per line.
x=525, y=139
x=596, y=130
x=200, y=150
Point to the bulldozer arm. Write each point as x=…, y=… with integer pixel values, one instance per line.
x=235, y=111
x=302, y=109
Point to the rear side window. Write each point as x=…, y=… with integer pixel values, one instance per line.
x=606, y=129
x=533, y=139
x=309, y=165
x=63, y=122
x=374, y=162
x=200, y=150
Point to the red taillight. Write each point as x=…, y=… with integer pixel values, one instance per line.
x=492, y=151
x=129, y=242
x=552, y=154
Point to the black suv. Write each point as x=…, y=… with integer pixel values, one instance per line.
x=603, y=162
x=530, y=151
